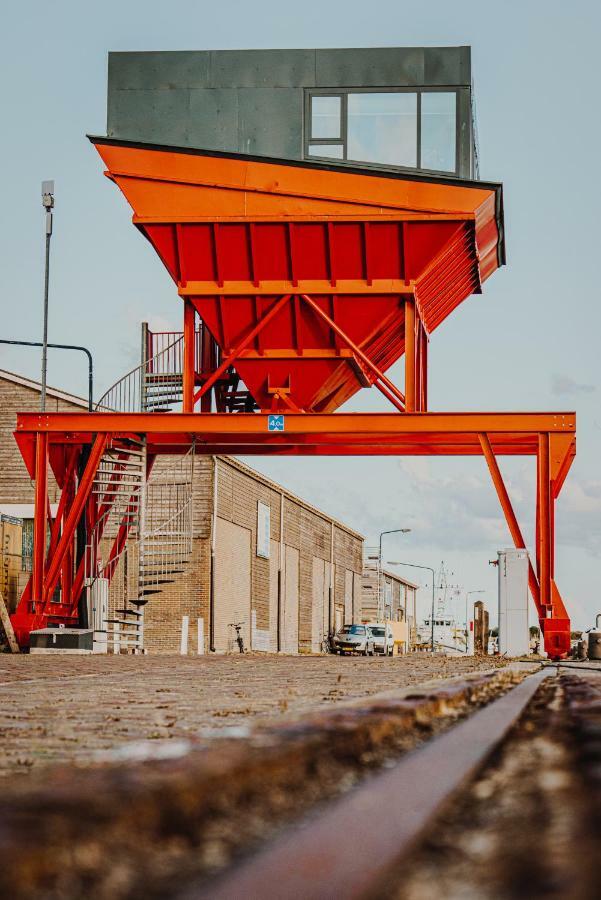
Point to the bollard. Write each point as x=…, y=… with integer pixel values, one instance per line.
x=184, y=644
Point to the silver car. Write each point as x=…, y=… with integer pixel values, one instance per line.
x=354, y=639
x=383, y=639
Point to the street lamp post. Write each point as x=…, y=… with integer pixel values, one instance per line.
x=48, y=204
x=429, y=569
x=382, y=533
x=467, y=596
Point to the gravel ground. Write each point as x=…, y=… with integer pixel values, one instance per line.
x=70, y=708
x=529, y=828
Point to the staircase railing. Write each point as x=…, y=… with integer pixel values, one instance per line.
x=154, y=384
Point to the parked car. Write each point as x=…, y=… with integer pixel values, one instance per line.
x=354, y=639
x=383, y=638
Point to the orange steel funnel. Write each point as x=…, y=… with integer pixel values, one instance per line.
x=237, y=233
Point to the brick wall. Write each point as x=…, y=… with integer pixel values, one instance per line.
x=15, y=483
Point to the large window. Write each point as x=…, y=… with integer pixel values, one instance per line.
x=415, y=129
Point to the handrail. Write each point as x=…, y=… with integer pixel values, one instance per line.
x=130, y=393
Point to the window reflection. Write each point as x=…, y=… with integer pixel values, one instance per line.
x=438, y=131
x=332, y=151
x=325, y=117
x=382, y=128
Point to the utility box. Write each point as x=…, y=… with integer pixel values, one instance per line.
x=514, y=635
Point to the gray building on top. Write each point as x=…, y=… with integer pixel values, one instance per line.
x=405, y=108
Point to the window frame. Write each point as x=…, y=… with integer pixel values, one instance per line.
x=342, y=141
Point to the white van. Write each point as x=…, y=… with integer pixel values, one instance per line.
x=383, y=638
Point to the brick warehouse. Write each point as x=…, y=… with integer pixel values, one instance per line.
x=300, y=579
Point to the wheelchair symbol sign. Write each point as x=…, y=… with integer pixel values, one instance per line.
x=275, y=423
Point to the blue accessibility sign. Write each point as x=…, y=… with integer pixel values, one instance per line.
x=275, y=423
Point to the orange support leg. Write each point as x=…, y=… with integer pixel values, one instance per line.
x=410, y=355
x=555, y=624
x=188, y=375
x=39, y=522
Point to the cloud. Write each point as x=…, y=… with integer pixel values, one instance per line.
x=565, y=384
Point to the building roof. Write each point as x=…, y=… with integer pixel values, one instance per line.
x=36, y=386
x=396, y=577
x=248, y=470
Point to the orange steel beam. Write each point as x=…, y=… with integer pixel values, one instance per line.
x=39, y=527
x=189, y=372
x=227, y=362
x=513, y=425
x=384, y=384
x=252, y=288
x=510, y=516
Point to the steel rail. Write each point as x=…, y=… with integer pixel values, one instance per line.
x=347, y=850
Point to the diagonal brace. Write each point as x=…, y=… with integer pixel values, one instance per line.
x=227, y=362
x=384, y=385
x=512, y=522
x=79, y=502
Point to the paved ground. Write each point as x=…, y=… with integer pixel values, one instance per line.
x=59, y=709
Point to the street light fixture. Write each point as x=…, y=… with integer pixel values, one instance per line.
x=48, y=204
x=382, y=533
x=429, y=569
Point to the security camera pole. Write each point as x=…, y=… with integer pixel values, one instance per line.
x=48, y=203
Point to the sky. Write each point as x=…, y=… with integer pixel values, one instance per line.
x=529, y=342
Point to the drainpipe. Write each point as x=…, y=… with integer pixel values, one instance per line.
x=212, y=572
x=331, y=588
x=280, y=573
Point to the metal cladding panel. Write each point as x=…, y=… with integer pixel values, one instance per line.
x=238, y=233
x=158, y=70
x=145, y=111
x=213, y=118
x=262, y=68
x=270, y=121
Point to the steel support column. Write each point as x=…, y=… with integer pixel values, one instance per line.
x=40, y=517
x=410, y=375
x=544, y=516
x=189, y=367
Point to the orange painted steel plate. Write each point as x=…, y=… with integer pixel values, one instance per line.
x=236, y=232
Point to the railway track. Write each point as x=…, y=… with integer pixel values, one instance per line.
x=377, y=798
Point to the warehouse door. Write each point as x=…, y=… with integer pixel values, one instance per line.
x=232, y=585
x=319, y=612
x=290, y=610
x=274, y=564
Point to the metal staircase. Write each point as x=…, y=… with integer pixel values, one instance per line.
x=119, y=490
x=156, y=385
x=166, y=544
x=141, y=542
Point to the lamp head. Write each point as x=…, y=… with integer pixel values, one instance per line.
x=47, y=194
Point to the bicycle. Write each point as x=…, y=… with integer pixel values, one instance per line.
x=327, y=645
x=239, y=638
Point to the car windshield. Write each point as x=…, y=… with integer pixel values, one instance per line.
x=378, y=632
x=353, y=629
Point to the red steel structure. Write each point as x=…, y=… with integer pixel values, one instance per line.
x=306, y=282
